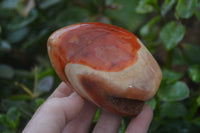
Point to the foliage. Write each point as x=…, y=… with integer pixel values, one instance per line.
x=169, y=29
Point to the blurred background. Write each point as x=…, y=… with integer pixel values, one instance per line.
x=170, y=29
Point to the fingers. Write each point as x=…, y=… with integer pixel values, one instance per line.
x=82, y=123
x=66, y=111
x=108, y=123
x=61, y=91
x=54, y=114
x=141, y=123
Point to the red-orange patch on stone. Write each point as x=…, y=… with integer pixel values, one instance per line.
x=101, y=46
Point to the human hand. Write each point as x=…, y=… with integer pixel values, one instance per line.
x=66, y=112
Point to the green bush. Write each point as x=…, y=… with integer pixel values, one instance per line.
x=170, y=29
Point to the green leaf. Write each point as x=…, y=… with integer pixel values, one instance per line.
x=191, y=53
x=171, y=34
x=174, y=92
x=186, y=8
x=155, y=125
x=173, y=109
x=198, y=101
x=9, y=4
x=18, y=35
x=5, y=46
x=19, y=22
x=187, y=55
x=196, y=121
x=194, y=73
x=108, y=2
x=48, y=3
x=176, y=125
x=39, y=101
x=13, y=115
x=0, y=29
x=46, y=72
x=25, y=106
x=198, y=15
x=34, y=39
x=122, y=128
x=170, y=76
x=152, y=103
x=71, y=15
x=144, y=6
x=126, y=17
x=168, y=4
x=146, y=29
x=97, y=115
x=3, y=120
x=197, y=12
x=6, y=71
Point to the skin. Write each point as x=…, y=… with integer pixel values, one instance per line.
x=66, y=112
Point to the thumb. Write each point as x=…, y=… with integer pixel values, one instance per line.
x=54, y=114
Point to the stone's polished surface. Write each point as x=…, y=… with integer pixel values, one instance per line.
x=105, y=64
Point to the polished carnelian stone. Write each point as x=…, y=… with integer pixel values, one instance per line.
x=101, y=46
